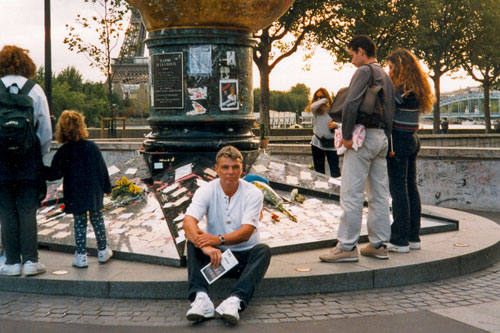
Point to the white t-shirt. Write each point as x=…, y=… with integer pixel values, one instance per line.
x=41, y=110
x=226, y=215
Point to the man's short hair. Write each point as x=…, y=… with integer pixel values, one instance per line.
x=364, y=42
x=229, y=151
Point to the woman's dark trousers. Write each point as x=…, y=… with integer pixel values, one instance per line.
x=406, y=206
x=18, y=205
x=319, y=155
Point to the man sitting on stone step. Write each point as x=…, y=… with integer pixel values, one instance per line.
x=232, y=207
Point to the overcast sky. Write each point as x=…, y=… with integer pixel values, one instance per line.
x=22, y=24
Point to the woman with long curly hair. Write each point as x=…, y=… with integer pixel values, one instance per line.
x=322, y=141
x=21, y=182
x=86, y=179
x=413, y=96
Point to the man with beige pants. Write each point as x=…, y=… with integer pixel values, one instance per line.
x=365, y=168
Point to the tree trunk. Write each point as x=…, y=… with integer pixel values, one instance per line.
x=436, y=112
x=487, y=112
x=264, y=100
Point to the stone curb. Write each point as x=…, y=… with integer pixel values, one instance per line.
x=433, y=263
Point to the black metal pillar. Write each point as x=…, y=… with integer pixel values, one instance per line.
x=202, y=94
x=48, y=55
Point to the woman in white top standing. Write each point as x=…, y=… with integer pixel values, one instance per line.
x=20, y=175
x=323, y=133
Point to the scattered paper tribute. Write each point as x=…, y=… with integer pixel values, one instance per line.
x=112, y=170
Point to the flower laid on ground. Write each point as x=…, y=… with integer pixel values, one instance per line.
x=124, y=188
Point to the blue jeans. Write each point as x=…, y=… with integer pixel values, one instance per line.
x=406, y=207
x=251, y=268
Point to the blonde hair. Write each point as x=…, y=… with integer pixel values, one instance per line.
x=408, y=75
x=229, y=151
x=325, y=93
x=71, y=127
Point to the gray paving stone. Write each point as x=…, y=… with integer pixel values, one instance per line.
x=287, y=320
x=270, y=321
x=278, y=315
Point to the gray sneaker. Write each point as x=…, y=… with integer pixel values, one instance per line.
x=379, y=253
x=398, y=248
x=415, y=246
x=10, y=270
x=338, y=255
x=33, y=268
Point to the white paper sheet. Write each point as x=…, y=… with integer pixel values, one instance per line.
x=112, y=170
x=228, y=261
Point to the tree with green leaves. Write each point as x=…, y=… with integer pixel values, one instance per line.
x=481, y=58
x=299, y=98
x=286, y=34
x=108, y=24
x=388, y=23
x=441, y=34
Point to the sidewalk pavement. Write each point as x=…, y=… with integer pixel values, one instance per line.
x=467, y=303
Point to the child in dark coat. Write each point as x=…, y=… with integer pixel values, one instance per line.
x=86, y=179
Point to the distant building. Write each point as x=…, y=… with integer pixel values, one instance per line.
x=279, y=119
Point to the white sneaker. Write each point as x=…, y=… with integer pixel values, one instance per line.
x=33, y=268
x=80, y=260
x=397, y=248
x=228, y=310
x=104, y=255
x=11, y=270
x=3, y=258
x=202, y=308
x=415, y=246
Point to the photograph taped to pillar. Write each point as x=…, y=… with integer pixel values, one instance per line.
x=167, y=72
x=228, y=91
x=200, y=60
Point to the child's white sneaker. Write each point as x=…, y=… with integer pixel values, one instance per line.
x=104, y=255
x=80, y=260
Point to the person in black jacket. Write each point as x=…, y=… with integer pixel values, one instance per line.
x=86, y=179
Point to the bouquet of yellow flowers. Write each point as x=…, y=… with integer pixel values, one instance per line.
x=124, y=190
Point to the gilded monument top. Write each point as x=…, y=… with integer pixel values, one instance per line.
x=250, y=15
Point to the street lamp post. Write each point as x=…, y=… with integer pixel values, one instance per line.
x=48, y=55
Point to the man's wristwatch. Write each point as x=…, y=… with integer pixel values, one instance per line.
x=222, y=239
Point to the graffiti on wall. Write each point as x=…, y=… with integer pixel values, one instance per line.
x=460, y=184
